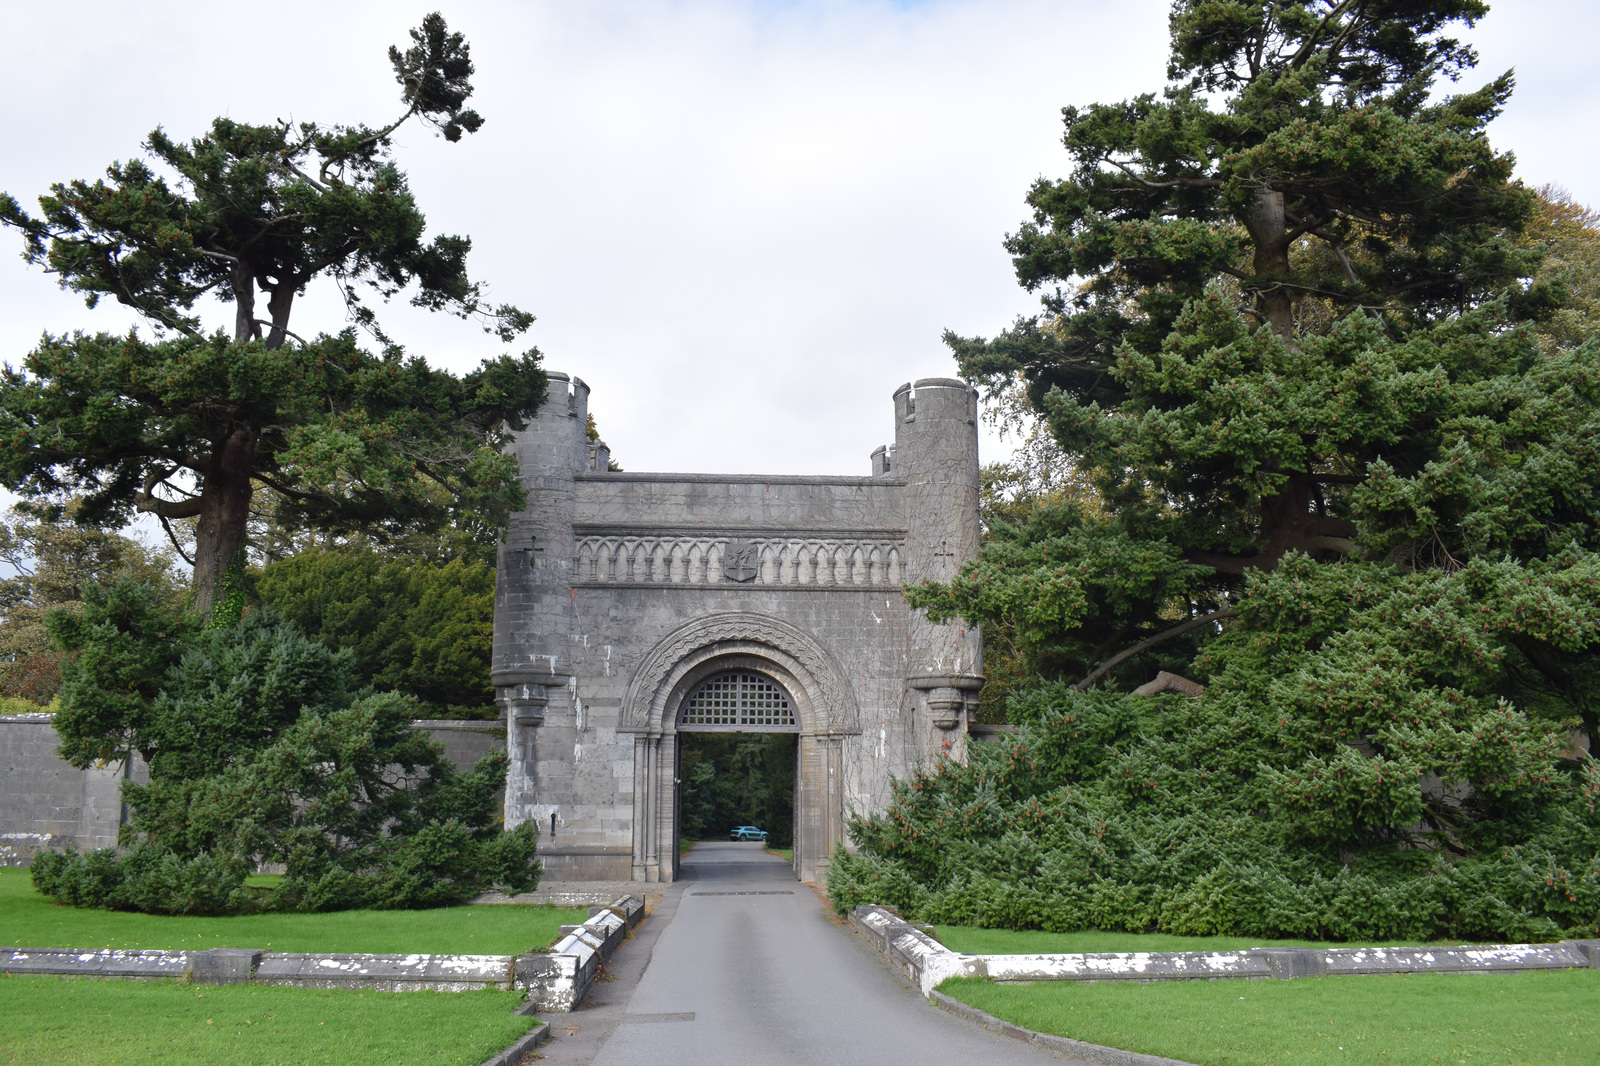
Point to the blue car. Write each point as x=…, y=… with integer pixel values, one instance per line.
x=748, y=832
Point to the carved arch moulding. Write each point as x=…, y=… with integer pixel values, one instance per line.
x=826, y=702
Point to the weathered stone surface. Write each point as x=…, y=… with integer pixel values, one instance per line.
x=392, y=973
x=224, y=966
x=106, y=962
x=617, y=593
x=45, y=803
x=927, y=962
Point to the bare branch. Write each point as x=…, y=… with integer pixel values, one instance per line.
x=1178, y=630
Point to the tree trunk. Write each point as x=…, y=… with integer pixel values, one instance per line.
x=224, y=510
x=278, y=308
x=244, y=302
x=1289, y=522
x=1269, y=231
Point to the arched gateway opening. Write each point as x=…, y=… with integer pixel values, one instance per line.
x=737, y=753
x=738, y=673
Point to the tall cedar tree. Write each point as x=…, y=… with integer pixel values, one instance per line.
x=185, y=427
x=1274, y=296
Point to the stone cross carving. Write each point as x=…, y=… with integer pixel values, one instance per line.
x=944, y=551
x=741, y=561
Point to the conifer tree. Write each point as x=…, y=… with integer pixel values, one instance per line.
x=1341, y=423
x=187, y=425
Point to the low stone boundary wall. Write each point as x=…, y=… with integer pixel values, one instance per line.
x=556, y=980
x=927, y=963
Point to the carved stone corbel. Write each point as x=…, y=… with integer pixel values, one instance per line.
x=949, y=696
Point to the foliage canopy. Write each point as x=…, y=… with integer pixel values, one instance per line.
x=187, y=426
x=261, y=750
x=1339, y=417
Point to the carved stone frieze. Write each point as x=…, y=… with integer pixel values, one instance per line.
x=699, y=559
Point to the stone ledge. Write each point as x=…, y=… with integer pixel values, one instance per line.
x=928, y=963
x=389, y=973
x=557, y=980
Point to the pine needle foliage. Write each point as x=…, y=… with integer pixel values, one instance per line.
x=1341, y=420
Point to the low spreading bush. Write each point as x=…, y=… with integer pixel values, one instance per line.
x=1352, y=771
x=261, y=751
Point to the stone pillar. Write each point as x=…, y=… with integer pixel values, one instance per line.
x=936, y=451
x=533, y=588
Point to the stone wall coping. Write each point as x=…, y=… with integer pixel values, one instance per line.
x=29, y=718
x=471, y=725
x=928, y=963
x=741, y=479
x=556, y=980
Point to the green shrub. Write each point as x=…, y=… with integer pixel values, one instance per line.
x=262, y=751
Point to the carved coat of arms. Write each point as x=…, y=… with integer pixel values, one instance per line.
x=741, y=561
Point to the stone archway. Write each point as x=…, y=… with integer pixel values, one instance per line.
x=825, y=710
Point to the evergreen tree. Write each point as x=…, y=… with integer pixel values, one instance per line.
x=415, y=624
x=1343, y=448
x=261, y=750
x=189, y=425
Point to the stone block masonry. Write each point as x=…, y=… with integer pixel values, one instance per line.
x=45, y=803
x=621, y=596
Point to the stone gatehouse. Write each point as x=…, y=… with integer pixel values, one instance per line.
x=631, y=608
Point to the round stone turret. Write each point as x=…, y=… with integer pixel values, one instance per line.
x=936, y=452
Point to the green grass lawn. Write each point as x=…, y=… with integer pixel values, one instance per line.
x=974, y=941
x=55, y=1020
x=1550, y=1016
x=29, y=920
x=787, y=854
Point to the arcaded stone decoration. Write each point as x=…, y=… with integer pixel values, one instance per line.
x=629, y=558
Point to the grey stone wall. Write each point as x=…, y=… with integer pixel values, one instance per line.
x=464, y=742
x=45, y=803
x=618, y=592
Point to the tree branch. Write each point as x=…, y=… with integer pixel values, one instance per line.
x=1099, y=671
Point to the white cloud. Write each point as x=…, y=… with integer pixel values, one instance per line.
x=743, y=223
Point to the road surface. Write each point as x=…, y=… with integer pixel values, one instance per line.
x=739, y=965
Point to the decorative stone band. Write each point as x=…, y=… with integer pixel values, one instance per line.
x=839, y=562
x=928, y=962
x=556, y=980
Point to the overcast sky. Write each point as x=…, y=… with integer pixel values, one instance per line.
x=743, y=223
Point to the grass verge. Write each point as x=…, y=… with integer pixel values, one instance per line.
x=56, y=1019
x=975, y=941
x=30, y=920
x=1533, y=1017
x=786, y=854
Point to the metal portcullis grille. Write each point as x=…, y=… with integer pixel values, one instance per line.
x=738, y=700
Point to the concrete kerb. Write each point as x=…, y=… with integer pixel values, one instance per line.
x=556, y=980
x=928, y=963
x=1077, y=1049
x=539, y=1034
